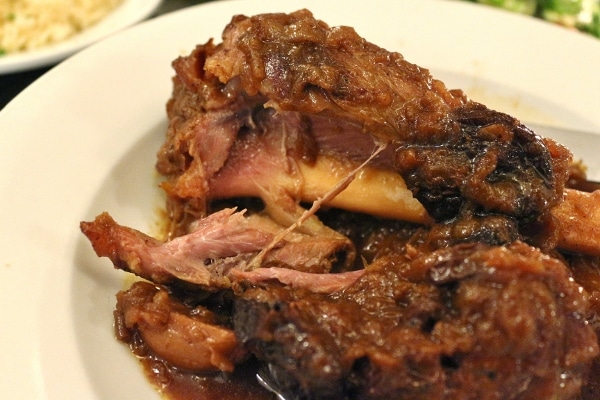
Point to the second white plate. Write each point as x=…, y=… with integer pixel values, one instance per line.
x=126, y=14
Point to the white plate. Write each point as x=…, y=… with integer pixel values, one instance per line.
x=82, y=140
x=126, y=14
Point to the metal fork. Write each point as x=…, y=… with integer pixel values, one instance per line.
x=265, y=381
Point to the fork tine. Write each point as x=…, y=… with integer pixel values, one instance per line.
x=266, y=382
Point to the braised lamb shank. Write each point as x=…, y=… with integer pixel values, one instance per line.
x=429, y=265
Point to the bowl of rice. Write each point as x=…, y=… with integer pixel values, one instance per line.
x=36, y=33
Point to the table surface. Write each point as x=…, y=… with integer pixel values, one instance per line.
x=12, y=84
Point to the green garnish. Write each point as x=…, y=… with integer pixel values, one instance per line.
x=580, y=14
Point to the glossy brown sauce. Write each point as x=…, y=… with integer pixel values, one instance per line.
x=174, y=384
x=178, y=385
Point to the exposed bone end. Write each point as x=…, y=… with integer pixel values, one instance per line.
x=373, y=191
x=579, y=219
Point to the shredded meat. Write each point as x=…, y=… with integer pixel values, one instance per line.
x=217, y=244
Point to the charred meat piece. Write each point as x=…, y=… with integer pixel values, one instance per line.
x=466, y=322
x=485, y=159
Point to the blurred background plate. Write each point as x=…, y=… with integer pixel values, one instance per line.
x=124, y=15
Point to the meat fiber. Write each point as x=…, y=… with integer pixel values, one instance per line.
x=217, y=244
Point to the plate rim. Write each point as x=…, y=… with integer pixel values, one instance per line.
x=65, y=240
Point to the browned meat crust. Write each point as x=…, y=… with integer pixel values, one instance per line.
x=191, y=338
x=452, y=305
x=461, y=160
x=301, y=64
x=468, y=322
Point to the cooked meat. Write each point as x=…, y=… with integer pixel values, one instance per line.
x=300, y=64
x=187, y=338
x=188, y=258
x=317, y=283
x=466, y=322
x=586, y=271
x=204, y=257
x=459, y=158
x=579, y=219
x=231, y=150
x=429, y=265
